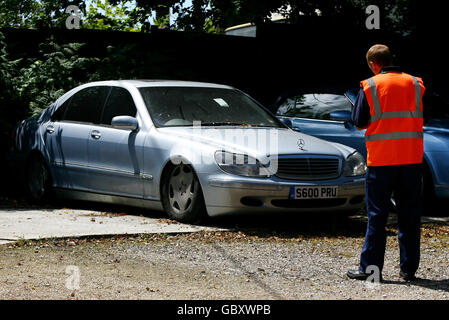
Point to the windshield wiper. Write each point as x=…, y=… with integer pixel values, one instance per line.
x=223, y=123
x=239, y=124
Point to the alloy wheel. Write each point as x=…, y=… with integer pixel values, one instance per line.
x=181, y=189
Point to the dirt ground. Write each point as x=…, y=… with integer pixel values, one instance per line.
x=280, y=257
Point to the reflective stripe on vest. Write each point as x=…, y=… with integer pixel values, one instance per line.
x=394, y=135
x=379, y=114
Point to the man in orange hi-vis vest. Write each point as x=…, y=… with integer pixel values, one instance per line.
x=389, y=106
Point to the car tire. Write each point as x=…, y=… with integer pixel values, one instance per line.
x=38, y=180
x=182, y=197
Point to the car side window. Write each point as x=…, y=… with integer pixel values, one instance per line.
x=314, y=106
x=119, y=103
x=85, y=105
x=59, y=113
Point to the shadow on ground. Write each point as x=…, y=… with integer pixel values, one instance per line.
x=283, y=225
x=262, y=225
x=442, y=285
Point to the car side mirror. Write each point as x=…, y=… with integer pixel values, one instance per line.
x=341, y=115
x=125, y=123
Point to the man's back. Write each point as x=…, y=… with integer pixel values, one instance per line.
x=394, y=134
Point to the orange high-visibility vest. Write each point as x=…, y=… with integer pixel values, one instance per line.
x=394, y=135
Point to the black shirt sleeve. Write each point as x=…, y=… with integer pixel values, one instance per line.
x=361, y=113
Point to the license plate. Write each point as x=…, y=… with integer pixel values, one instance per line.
x=315, y=192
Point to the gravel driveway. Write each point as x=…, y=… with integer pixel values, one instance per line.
x=286, y=257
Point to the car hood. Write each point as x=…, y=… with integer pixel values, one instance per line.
x=437, y=125
x=236, y=140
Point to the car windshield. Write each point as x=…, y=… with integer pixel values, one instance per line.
x=314, y=105
x=182, y=106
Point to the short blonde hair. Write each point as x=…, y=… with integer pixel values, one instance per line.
x=380, y=54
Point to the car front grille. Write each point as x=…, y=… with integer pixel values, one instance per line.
x=308, y=167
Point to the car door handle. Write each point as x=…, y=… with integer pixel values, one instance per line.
x=50, y=129
x=95, y=134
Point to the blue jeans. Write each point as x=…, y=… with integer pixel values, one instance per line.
x=405, y=182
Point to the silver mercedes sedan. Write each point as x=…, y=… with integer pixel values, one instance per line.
x=188, y=148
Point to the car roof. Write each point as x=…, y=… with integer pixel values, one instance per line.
x=160, y=83
x=141, y=84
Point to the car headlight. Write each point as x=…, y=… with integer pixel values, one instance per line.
x=240, y=164
x=354, y=165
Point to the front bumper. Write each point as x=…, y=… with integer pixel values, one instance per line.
x=226, y=194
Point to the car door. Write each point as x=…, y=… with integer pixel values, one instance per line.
x=66, y=137
x=311, y=114
x=115, y=155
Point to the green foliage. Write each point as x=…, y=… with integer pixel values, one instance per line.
x=18, y=13
x=162, y=20
x=5, y=80
x=36, y=14
x=6, y=67
x=122, y=58
x=8, y=96
x=101, y=15
x=400, y=16
x=28, y=86
x=58, y=69
x=32, y=83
